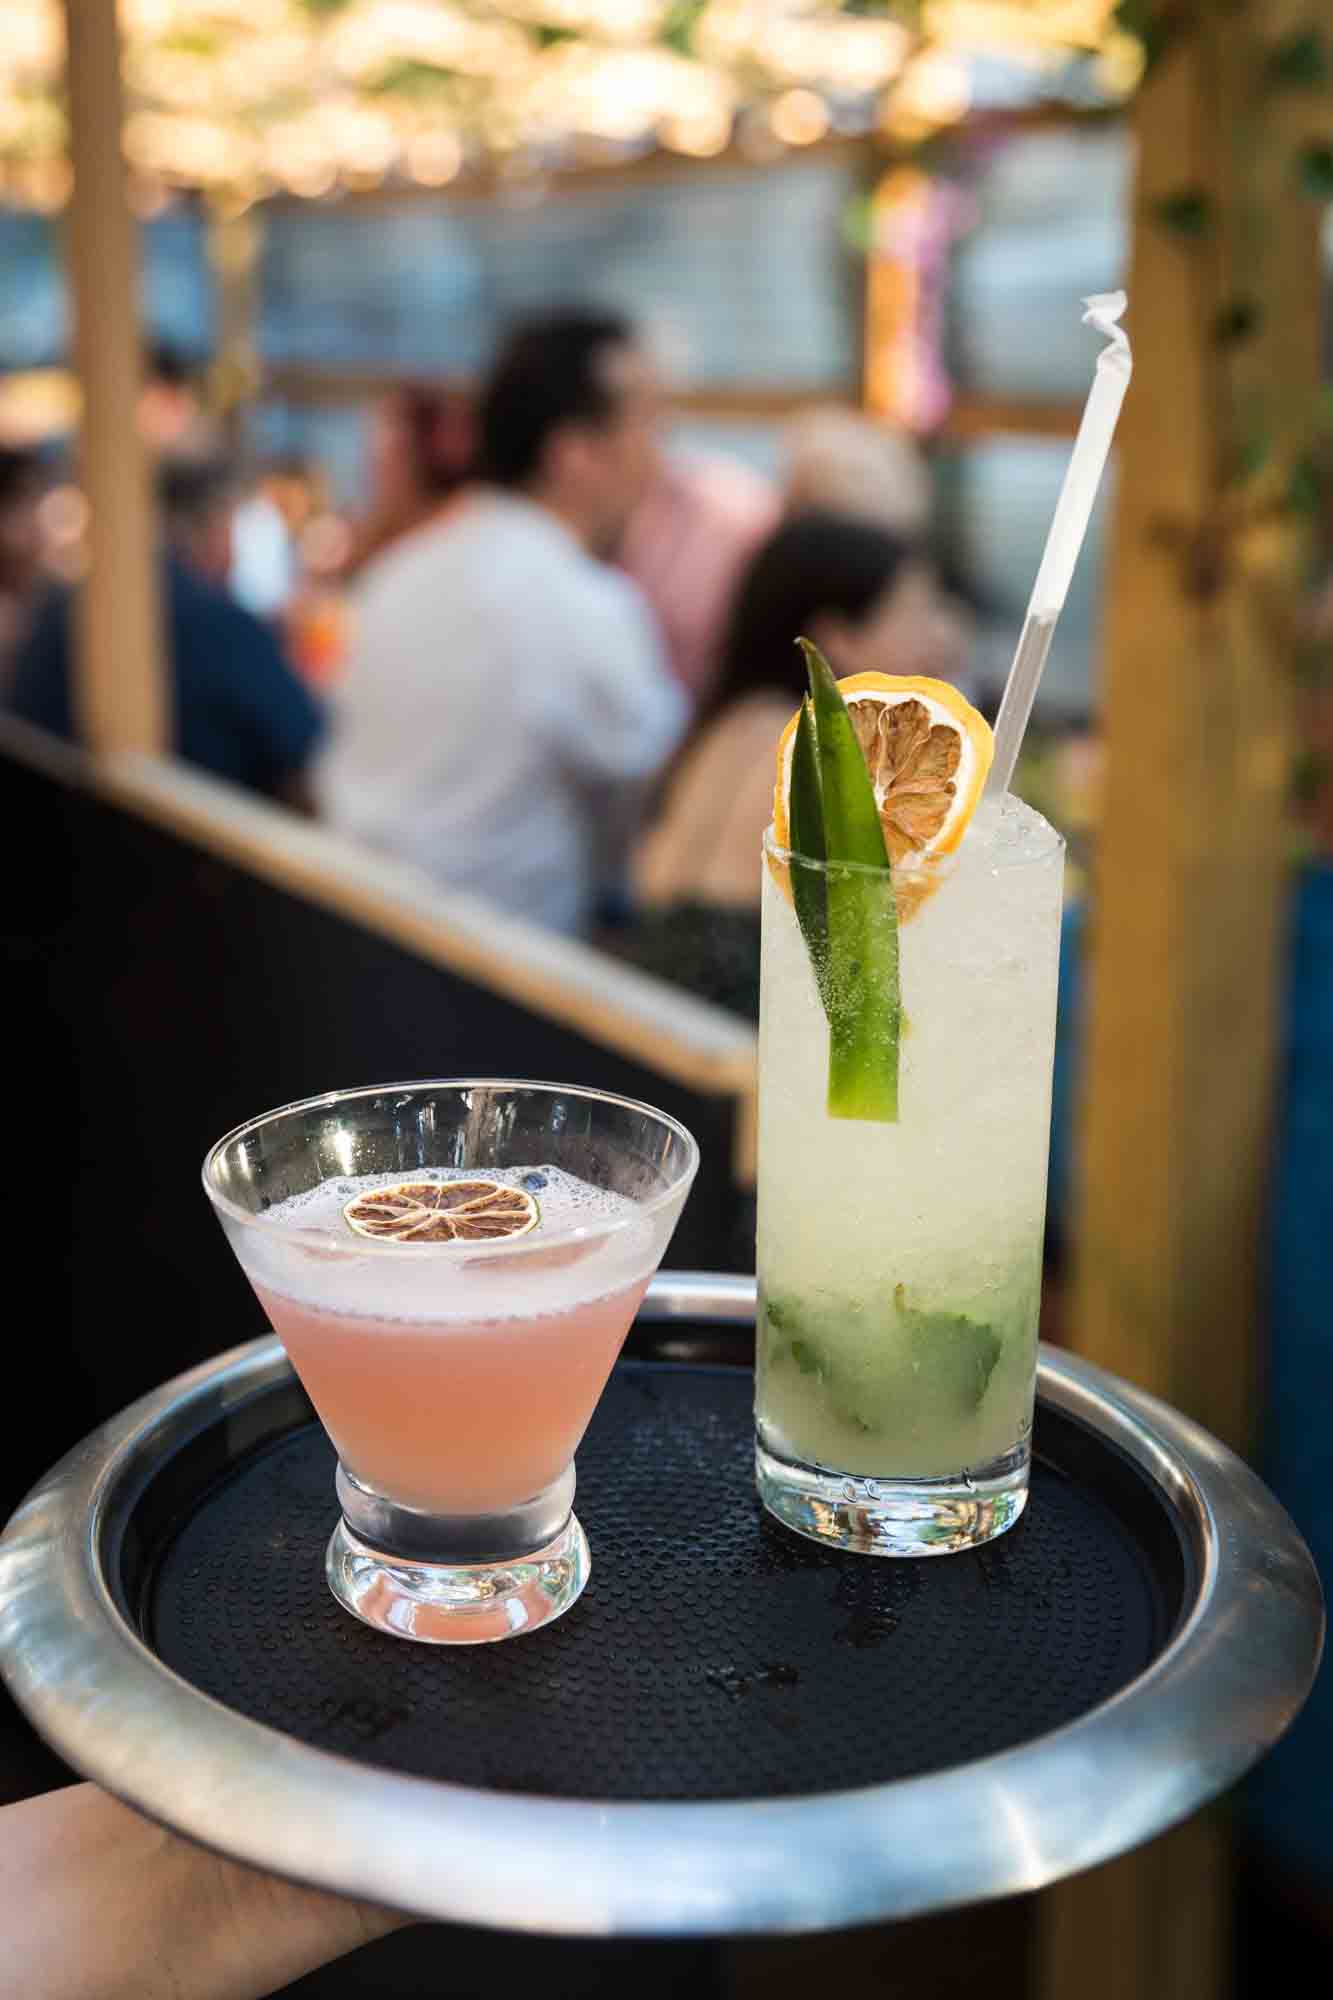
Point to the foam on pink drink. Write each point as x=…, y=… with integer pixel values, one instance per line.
x=458, y=1378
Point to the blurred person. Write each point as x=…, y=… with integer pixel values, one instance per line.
x=21, y=489
x=172, y=418
x=871, y=603
x=239, y=710
x=687, y=544
x=97, y=1902
x=507, y=698
x=264, y=568
x=843, y=462
x=422, y=452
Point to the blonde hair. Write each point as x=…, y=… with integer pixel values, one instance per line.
x=843, y=462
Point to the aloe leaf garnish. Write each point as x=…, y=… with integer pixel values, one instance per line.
x=849, y=918
x=806, y=815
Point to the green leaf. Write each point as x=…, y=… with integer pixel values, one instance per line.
x=955, y=1354
x=852, y=831
x=806, y=812
x=812, y=1360
x=1314, y=170
x=1299, y=61
x=859, y=984
x=1188, y=212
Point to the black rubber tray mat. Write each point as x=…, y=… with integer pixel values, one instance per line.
x=714, y=1655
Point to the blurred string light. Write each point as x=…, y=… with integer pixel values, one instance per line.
x=307, y=97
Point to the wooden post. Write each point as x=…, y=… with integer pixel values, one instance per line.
x=1188, y=911
x=235, y=242
x=121, y=695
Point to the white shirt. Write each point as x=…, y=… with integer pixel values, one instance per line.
x=506, y=693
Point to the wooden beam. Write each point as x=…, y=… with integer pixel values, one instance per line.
x=757, y=403
x=121, y=692
x=235, y=238
x=590, y=175
x=1192, y=849
x=972, y=417
x=642, y=1017
x=1191, y=865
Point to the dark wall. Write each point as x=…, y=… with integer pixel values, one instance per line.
x=157, y=996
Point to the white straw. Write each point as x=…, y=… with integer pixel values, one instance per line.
x=1082, y=478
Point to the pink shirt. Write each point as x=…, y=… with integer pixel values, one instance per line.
x=686, y=545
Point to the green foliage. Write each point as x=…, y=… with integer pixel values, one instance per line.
x=1155, y=26
x=858, y=224
x=1310, y=776
x=411, y=78
x=677, y=30
x=1236, y=321
x=1300, y=61
x=1188, y=212
x=1314, y=170
x=193, y=38
x=1305, y=486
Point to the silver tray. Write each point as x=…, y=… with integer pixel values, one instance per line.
x=1229, y=1682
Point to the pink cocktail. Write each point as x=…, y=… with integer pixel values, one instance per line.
x=456, y=1416
x=452, y=1268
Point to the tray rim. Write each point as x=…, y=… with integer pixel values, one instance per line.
x=1226, y=1686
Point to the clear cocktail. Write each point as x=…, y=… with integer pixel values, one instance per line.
x=452, y=1269
x=900, y=1247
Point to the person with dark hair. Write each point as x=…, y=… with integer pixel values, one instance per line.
x=239, y=710
x=570, y=414
x=172, y=417
x=871, y=603
x=21, y=485
x=507, y=699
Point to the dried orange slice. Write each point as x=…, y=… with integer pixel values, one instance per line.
x=928, y=752
x=472, y=1211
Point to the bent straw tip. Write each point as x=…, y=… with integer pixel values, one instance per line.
x=1102, y=312
x=1104, y=308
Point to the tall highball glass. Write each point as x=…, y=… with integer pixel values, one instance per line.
x=900, y=1263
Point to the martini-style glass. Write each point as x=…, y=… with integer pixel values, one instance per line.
x=452, y=1268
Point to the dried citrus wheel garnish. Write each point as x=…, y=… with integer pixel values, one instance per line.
x=473, y=1211
x=928, y=752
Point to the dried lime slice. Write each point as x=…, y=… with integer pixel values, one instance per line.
x=471, y=1211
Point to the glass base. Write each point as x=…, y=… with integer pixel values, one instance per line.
x=458, y=1604
x=895, y=1517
